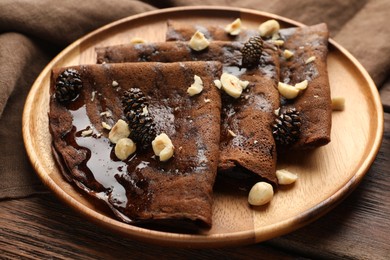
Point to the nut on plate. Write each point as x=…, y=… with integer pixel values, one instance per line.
x=261, y=193
x=285, y=177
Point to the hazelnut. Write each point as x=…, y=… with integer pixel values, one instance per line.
x=287, y=54
x=234, y=28
x=338, y=103
x=269, y=28
x=231, y=85
x=106, y=126
x=261, y=193
x=86, y=132
x=310, y=59
x=301, y=85
x=196, y=87
x=163, y=147
x=124, y=148
x=285, y=177
x=118, y=131
x=287, y=91
x=218, y=83
x=198, y=42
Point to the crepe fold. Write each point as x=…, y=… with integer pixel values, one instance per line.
x=309, y=62
x=247, y=145
x=141, y=189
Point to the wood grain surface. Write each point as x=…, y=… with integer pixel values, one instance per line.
x=337, y=168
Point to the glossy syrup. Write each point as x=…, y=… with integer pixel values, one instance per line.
x=119, y=183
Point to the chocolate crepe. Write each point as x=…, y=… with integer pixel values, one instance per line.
x=248, y=117
x=314, y=104
x=143, y=189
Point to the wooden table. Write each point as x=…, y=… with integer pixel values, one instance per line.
x=42, y=227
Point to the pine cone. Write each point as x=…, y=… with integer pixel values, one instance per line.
x=68, y=85
x=133, y=100
x=287, y=127
x=141, y=125
x=251, y=52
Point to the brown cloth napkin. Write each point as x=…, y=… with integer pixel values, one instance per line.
x=33, y=32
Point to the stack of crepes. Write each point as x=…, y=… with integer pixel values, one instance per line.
x=212, y=131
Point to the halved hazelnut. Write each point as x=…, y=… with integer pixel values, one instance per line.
x=268, y=28
x=196, y=87
x=198, y=42
x=234, y=28
x=287, y=91
x=163, y=147
x=285, y=177
x=118, y=131
x=124, y=148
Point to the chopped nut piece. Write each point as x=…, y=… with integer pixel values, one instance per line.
x=137, y=40
x=145, y=111
x=198, y=42
x=218, y=83
x=277, y=111
x=338, y=103
x=301, y=85
x=261, y=193
x=106, y=114
x=231, y=133
x=234, y=28
x=86, y=132
x=310, y=59
x=114, y=83
x=124, y=148
x=285, y=177
x=207, y=100
x=106, y=126
x=244, y=84
x=268, y=28
x=278, y=42
x=93, y=95
x=196, y=87
x=118, y=131
x=287, y=91
x=231, y=85
x=287, y=54
x=163, y=147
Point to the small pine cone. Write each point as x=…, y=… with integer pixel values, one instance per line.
x=251, y=52
x=133, y=100
x=68, y=85
x=287, y=127
x=141, y=125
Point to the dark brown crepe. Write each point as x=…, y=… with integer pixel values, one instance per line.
x=143, y=189
x=249, y=117
x=314, y=103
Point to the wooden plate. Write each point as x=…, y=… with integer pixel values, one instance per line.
x=326, y=175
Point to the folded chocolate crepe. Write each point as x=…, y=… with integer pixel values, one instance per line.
x=313, y=104
x=141, y=189
x=252, y=148
x=310, y=48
